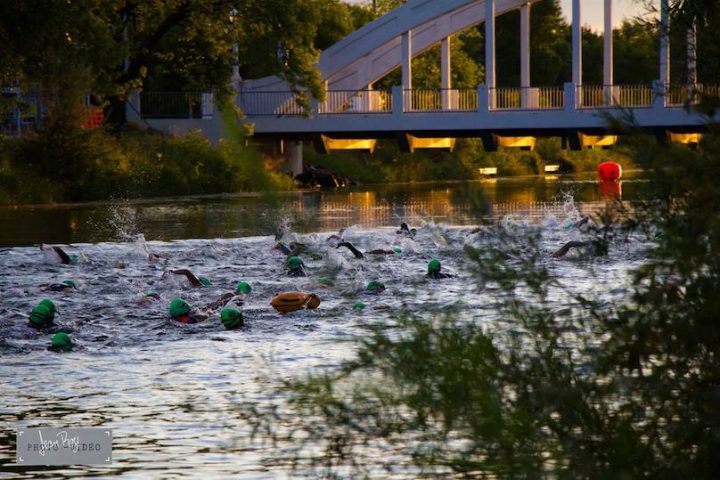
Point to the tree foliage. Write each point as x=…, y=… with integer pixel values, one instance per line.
x=583, y=390
x=66, y=50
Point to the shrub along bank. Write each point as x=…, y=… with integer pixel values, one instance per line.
x=88, y=165
x=387, y=164
x=85, y=165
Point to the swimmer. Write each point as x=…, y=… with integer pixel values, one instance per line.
x=296, y=267
x=63, y=286
x=180, y=311
x=148, y=297
x=242, y=288
x=156, y=257
x=405, y=230
x=358, y=254
x=42, y=318
x=375, y=287
x=583, y=221
x=231, y=318
x=194, y=281
x=433, y=270
x=336, y=238
x=292, y=251
x=595, y=248
x=61, y=342
x=59, y=255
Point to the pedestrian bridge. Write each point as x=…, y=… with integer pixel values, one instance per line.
x=354, y=114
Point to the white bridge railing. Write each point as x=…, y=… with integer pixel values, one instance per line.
x=531, y=98
x=362, y=101
x=353, y=102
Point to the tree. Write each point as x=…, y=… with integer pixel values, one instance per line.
x=66, y=50
x=585, y=390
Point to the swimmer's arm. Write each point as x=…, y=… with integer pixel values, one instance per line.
x=189, y=275
x=566, y=248
x=64, y=257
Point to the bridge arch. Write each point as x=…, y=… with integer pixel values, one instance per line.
x=376, y=49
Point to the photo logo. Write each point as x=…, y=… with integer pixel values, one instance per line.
x=64, y=446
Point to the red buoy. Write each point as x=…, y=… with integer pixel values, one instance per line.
x=610, y=190
x=609, y=171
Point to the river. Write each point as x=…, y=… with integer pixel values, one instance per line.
x=170, y=392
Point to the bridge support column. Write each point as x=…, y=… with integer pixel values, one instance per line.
x=490, y=75
x=658, y=89
x=525, y=55
x=608, y=65
x=577, y=48
x=570, y=99
x=294, y=157
x=446, y=75
x=664, y=48
x=406, y=65
x=398, y=105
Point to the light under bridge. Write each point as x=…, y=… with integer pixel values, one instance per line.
x=354, y=114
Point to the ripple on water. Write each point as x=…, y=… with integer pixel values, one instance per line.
x=169, y=391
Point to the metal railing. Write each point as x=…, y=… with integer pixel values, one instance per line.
x=527, y=98
x=171, y=105
x=356, y=101
x=271, y=103
x=424, y=100
x=349, y=102
x=598, y=96
x=680, y=95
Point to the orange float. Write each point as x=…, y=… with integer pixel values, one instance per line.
x=291, y=301
x=609, y=171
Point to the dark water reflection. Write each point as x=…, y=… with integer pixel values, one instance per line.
x=233, y=216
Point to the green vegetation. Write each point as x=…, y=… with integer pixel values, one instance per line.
x=588, y=389
x=70, y=54
x=387, y=164
x=591, y=389
x=94, y=165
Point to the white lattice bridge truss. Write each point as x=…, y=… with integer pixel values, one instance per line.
x=354, y=115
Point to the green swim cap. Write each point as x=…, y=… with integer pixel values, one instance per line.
x=397, y=250
x=178, y=307
x=329, y=282
x=154, y=295
x=434, y=265
x=231, y=318
x=41, y=315
x=205, y=282
x=62, y=342
x=74, y=259
x=359, y=305
x=375, y=285
x=70, y=283
x=243, y=287
x=294, y=263
x=49, y=304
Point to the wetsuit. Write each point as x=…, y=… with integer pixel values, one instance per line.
x=358, y=254
x=191, y=318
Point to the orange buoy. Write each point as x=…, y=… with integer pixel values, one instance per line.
x=609, y=171
x=291, y=301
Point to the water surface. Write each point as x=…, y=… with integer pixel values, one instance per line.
x=171, y=392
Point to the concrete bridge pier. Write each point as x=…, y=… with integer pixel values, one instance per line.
x=294, y=157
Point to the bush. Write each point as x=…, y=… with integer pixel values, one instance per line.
x=585, y=390
x=94, y=165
